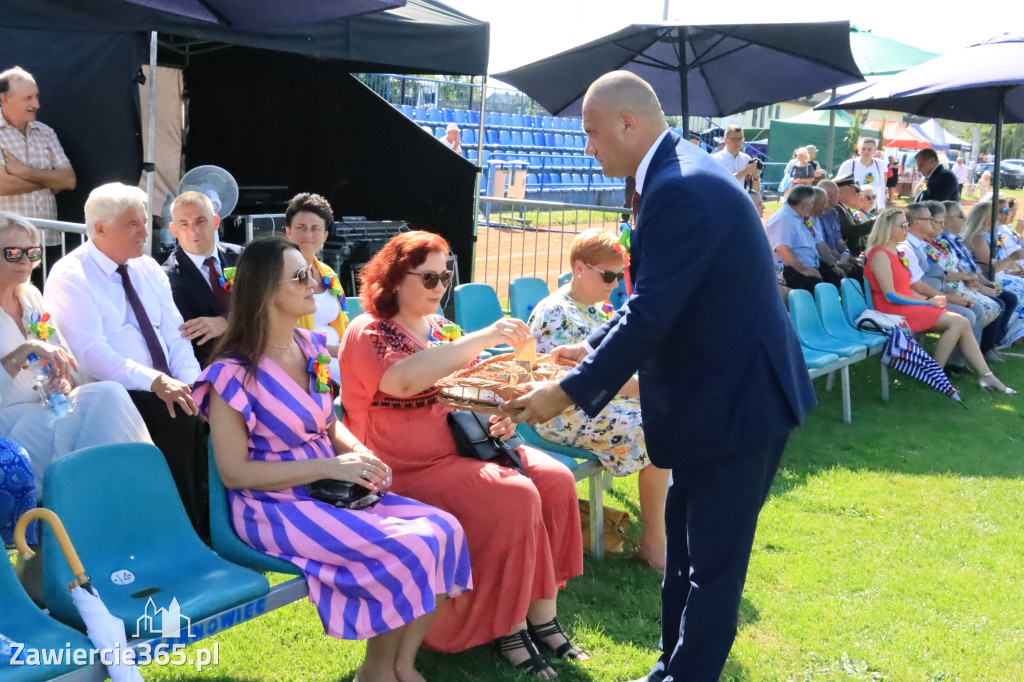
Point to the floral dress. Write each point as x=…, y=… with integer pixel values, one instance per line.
x=1005, y=245
x=939, y=251
x=616, y=435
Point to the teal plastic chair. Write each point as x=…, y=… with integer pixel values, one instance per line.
x=22, y=621
x=812, y=335
x=582, y=464
x=355, y=306
x=867, y=294
x=564, y=278
x=835, y=322
x=852, y=300
x=121, y=509
x=223, y=536
x=476, y=307
x=618, y=295
x=524, y=294
x=817, y=360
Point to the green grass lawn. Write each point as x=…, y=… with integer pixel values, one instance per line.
x=890, y=550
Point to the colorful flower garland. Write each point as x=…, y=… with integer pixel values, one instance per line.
x=445, y=334
x=320, y=368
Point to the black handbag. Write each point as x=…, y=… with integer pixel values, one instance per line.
x=472, y=434
x=343, y=494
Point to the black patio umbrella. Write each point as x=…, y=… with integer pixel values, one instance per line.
x=699, y=70
x=983, y=83
x=249, y=14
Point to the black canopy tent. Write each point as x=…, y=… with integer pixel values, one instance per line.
x=273, y=106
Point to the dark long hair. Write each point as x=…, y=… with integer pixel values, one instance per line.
x=259, y=272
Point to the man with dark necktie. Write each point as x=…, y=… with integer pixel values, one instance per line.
x=196, y=272
x=114, y=308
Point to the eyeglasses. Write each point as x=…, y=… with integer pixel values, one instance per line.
x=430, y=279
x=904, y=224
x=12, y=254
x=302, y=276
x=608, y=276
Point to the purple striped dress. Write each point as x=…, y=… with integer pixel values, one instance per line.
x=369, y=571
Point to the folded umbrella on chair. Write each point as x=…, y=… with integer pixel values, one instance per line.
x=902, y=352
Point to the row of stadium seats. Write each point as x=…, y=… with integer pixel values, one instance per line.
x=542, y=162
x=464, y=117
x=545, y=182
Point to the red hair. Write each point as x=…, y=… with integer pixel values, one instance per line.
x=381, y=276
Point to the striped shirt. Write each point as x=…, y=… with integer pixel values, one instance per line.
x=38, y=148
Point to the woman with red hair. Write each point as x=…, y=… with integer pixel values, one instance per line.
x=523, y=531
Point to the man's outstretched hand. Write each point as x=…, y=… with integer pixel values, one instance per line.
x=541, y=404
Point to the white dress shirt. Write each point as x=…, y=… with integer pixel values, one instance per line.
x=200, y=263
x=910, y=248
x=85, y=293
x=733, y=164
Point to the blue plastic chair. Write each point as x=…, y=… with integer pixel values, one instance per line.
x=460, y=117
x=476, y=307
x=491, y=138
x=559, y=140
x=434, y=115
x=540, y=141
x=812, y=335
x=448, y=116
x=517, y=121
x=833, y=320
x=549, y=140
x=524, y=294
x=24, y=622
x=469, y=137
x=867, y=295
x=517, y=139
x=618, y=295
x=528, y=141
x=355, y=306
x=222, y=533
x=852, y=300
x=582, y=464
x=564, y=278
x=474, y=117
x=121, y=509
x=504, y=138
x=407, y=110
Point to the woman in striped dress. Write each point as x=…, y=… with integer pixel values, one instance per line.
x=375, y=573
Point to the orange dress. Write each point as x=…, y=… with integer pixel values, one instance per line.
x=919, y=317
x=523, y=532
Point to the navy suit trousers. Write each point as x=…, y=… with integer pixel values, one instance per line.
x=711, y=516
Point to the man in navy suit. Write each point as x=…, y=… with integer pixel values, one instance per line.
x=196, y=272
x=942, y=182
x=722, y=378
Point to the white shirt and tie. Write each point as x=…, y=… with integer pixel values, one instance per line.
x=86, y=297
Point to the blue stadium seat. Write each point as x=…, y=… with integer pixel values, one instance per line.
x=419, y=115
x=474, y=117
x=504, y=138
x=549, y=140
x=517, y=139
x=579, y=161
x=491, y=138
x=552, y=183
x=528, y=121
x=469, y=137
x=506, y=120
x=471, y=155
x=460, y=117
x=406, y=109
x=579, y=181
x=25, y=623
x=528, y=140
x=532, y=182
x=485, y=158
x=524, y=294
x=536, y=160
x=545, y=122
x=517, y=121
x=434, y=115
x=540, y=140
x=559, y=140
x=581, y=141
x=439, y=132
x=135, y=522
x=556, y=123
x=448, y=116
x=567, y=181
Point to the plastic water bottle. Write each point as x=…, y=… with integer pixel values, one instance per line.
x=56, y=402
x=845, y=258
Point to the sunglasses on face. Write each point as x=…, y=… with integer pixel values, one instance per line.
x=303, y=276
x=608, y=276
x=430, y=279
x=12, y=254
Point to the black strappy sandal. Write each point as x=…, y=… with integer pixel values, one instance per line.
x=520, y=640
x=566, y=650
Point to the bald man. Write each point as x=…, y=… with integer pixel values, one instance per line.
x=722, y=378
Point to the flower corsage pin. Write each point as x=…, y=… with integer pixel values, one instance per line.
x=320, y=368
x=39, y=324
x=445, y=334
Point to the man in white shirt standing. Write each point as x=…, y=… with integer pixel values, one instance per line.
x=963, y=174
x=734, y=159
x=113, y=305
x=867, y=170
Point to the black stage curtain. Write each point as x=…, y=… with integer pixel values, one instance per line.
x=272, y=118
x=89, y=95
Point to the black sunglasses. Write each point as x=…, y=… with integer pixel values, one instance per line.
x=12, y=254
x=430, y=279
x=608, y=276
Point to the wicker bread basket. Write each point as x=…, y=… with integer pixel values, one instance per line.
x=486, y=385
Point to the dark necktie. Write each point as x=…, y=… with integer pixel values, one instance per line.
x=222, y=297
x=635, y=202
x=145, y=326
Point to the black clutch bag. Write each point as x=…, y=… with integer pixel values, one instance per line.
x=343, y=494
x=472, y=434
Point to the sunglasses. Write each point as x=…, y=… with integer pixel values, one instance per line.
x=303, y=276
x=430, y=279
x=868, y=196
x=12, y=254
x=608, y=276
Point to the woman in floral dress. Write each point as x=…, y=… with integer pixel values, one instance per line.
x=616, y=435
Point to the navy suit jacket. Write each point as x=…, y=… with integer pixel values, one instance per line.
x=719, y=364
x=191, y=290
x=942, y=186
